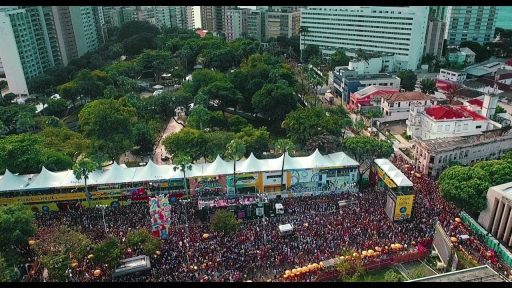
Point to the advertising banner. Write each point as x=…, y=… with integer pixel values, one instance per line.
x=403, y=207
x=160, y=213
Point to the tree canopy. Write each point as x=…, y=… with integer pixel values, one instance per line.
x=224, y=221
x=407, y=79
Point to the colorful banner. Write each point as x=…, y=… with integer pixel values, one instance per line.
x=403, y=207
x=160, y=213
x=385, y=178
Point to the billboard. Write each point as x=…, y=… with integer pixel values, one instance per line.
x=443, y=245
x=385, y=178
x=403, y=207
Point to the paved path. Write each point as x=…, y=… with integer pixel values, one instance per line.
x=172, y=127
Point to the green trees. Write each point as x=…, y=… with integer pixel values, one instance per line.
x=255, y=140
x=428, y=86
x=7, y=273
x=141, y=238
x=109, y=125
x=235, y=150
x=274, y=101
x=222, y=95
x=57, y=249
x=189, y=142
x=392, y=276
x=338, y=58
x=224, y=221
x=21, y=154
x=481, y=52
x=56, y=107
x=407, y=79
x=364, y=150
x=107, y=252
x=311, y=52
x=304, y=124
x=16, y=226
x=283, y=146
x=467, y=187
x=82, y=169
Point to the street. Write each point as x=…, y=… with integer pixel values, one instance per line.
x=172, y=127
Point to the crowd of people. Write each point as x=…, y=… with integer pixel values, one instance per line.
x=257, y=251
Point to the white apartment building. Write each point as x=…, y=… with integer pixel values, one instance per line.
x=470, y=23
x=452, y=75
x=396, y=30
x=452, y=121
x=396, y=106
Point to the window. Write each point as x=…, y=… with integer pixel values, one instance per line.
x=478, y=126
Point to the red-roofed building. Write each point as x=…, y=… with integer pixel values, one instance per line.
x=201, y=32
x=447, y=121
x=476, y=102
x=369, y=97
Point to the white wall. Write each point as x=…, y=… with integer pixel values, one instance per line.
x=398, y=110
x=453, y=76
x=373, y=66
x=451, y=128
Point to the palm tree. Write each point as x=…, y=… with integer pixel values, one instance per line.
x=283, y=146
x=235, y=151
x=453, y=92
x=362, y=55
x=182, y=162
x=83, y=168
x=302, y=32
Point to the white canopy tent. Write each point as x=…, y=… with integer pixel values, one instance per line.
x=153, y=172
x=117, y=174
x=12, y=182
x=47, y=179
x=394, y=173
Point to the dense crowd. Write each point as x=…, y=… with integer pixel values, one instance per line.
x=257, y=251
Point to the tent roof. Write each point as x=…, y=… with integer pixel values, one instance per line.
x=394, y=173
x=251, y=164
x=117, y=174
x=11, y=182
x=153, y=172
x=70, y=180
x=218, y=167
x=48, y=179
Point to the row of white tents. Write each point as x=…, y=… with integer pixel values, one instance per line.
x=119, y=174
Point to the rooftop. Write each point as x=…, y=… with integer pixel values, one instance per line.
x=466, y=50
x=452, y=112
x=476, y=102
x=452, y=143
x=482, y=273
x=407, y=96
x=374, y=91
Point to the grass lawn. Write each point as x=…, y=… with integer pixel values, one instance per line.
x=464, y=261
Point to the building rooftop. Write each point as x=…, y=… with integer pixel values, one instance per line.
x=370, y=76
x=407, y=96
x=375, y=91
x=482, y=273
x=476, y=102
x=452, y=143
x=452, y=112
x=466, y=50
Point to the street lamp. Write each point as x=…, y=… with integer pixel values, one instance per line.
x=102, y=207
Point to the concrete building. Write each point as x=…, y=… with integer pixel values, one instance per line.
x=174, y=16
x=256, y=24
x=369, y=97
x=396, y=106
x=438, y=13
x=452, y=75
x=482, y=273
x=29, y=46
x=396, y=30
x=470, y=23
x=282, y=21
x=76, y=31
x=434, y=38
x=497, y=217
x=233, y=20
x=432, y=156
x=347, y=81
x=463, y=56
x=213, y=18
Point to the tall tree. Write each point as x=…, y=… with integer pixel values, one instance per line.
x=235, y=150
x=283, y=146
x=188, y=142
x=365, y=150
x=274, y=101
x=109, y=125
x=82, y=169
x=224, y=221
x=182, y=162
x=107, y=252
x=338, y=58
x=454, y=91
x=303, y=31
x=255, y=140
x=16, y=226
x=407, y=79
x=428, y=86
x=466, y=187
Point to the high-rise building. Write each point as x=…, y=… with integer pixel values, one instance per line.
x=256, y=24
x=438, y=12
x=282, y=21
x=164, y=16
x=28, y=45
x=434, y=38
x=76, y=31
x=213, y=18
x=399, y=31
x=470, y=23
x=233, y=24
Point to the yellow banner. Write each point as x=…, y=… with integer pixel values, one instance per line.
x=403, y=206
x=380, y=172
x=58, y=197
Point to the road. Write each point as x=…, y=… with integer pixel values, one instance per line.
x=172, y=127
